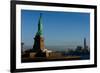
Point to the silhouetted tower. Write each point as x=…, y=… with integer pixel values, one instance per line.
x=22, y=44
x=38, y=46
x=85, y=46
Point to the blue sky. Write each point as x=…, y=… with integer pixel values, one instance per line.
x=66, y=29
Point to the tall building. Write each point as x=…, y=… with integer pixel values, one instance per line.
x=85, y=46
x=22, y=44
x=38, y=46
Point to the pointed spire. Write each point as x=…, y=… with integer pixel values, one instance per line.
x=40, y=27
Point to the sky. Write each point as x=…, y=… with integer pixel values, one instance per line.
x=60, y=29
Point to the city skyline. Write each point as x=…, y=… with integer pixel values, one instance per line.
x=59, y=28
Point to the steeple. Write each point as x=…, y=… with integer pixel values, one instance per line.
x=40, y=28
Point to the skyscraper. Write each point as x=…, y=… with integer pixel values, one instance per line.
x=38, y=46
x=85, y=46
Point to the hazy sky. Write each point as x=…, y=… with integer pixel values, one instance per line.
x=66, y=29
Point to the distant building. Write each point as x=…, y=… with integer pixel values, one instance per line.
x=79, y=48
x=22, y=44
x=85, y=46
